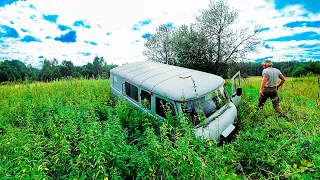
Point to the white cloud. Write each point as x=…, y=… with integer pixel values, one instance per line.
x=118, y=17
x=264, y=13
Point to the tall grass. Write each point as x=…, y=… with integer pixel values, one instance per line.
x=75, y=129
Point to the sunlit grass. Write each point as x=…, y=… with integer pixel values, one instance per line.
x=75, y=129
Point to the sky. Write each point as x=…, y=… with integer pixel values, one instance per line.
x=74, y=30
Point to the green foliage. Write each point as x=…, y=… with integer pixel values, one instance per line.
x=190, y=49
x=298, y=71
x=211, y=44
x=75, y=129
x=159, y=46
x=290, y=69
x=8, y=73
x=303, y=69
x=97, y=65
x=16, y=70
x=67, y=69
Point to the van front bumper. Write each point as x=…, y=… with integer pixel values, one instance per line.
x=228, y=134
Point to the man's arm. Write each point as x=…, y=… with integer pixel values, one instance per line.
x=263, y=83
x=283, y=79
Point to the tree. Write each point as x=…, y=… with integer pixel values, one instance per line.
x=46, y=72
x=98, y=64
x=158, y=45
x=55, y=69
x=213, y=44
x=8, y=72
x=66, y=68
x=20, y=67
x=227, y=43
x=298, y=70
x=190, y=48
x=87, y=70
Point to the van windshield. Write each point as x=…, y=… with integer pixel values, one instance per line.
x=207, y=104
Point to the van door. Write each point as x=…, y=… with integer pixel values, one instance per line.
x=236, y=89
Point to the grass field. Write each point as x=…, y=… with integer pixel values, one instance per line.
x=75, y=129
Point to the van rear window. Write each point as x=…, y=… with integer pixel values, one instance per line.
x=131, y=91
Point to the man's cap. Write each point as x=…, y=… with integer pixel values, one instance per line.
x=267, y=62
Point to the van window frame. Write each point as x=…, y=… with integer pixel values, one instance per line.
x=125, y=93
x=114, y=79
x=165, y=99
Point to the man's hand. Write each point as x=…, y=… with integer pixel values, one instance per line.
x=261, y=93
x=283, y=79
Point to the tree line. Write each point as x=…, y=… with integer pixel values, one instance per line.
x=15, y=70
x=289, y=68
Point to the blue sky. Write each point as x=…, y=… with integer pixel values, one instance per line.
x=31, y=30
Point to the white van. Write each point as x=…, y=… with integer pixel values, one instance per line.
x=185, y=90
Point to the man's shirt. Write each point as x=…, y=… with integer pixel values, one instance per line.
x=273, y=74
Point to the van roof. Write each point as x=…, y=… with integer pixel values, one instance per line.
x=176, y=83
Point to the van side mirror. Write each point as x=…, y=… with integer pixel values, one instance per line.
x=239, y=91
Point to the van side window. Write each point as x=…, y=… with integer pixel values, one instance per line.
x=145, y=96
x=163, y=106
x=131, y=91
x=115, y=79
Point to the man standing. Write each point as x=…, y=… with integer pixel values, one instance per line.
x=269, y=86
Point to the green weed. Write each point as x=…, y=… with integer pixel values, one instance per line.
x=75, y=129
